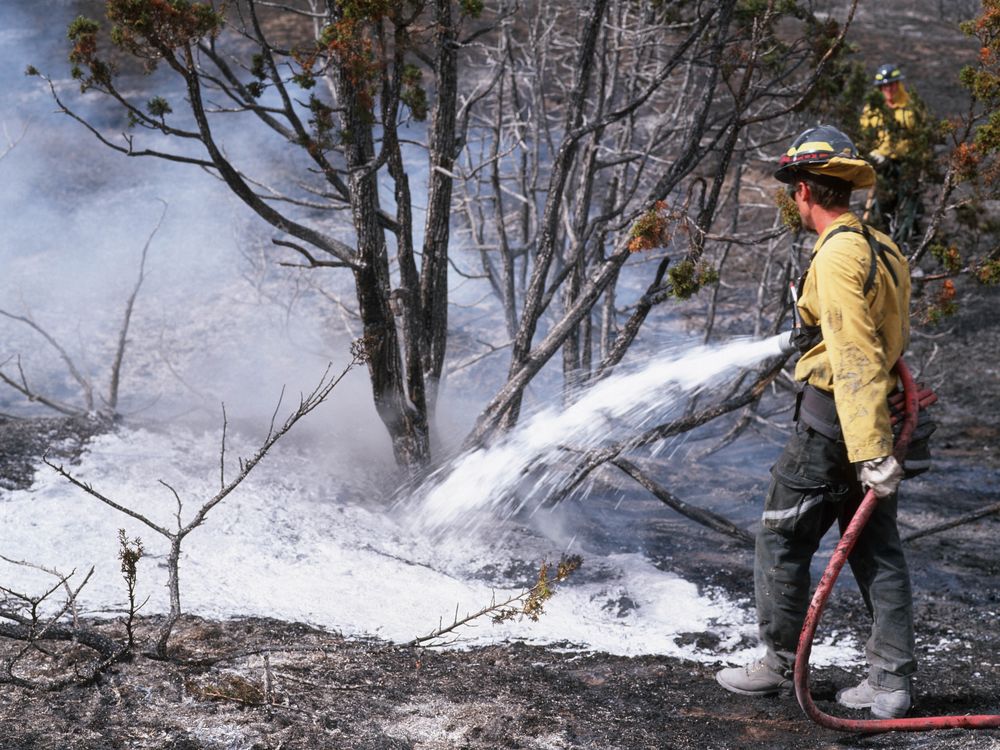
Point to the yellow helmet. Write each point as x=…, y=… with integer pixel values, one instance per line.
x=827, y=152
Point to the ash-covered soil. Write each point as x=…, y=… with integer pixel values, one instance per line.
x=266, y=684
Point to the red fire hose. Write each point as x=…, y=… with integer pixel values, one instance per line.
x=824, y=588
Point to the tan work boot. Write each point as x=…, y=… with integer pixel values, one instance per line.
x=756, y=678
x=884, y=703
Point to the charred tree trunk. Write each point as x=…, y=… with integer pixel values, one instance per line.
x=404, y=416
x=437, y=231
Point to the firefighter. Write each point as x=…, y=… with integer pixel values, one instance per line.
x=889, y=81
x=896, y=193
x=853, y=314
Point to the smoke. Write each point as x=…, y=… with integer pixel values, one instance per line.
x=217, y=320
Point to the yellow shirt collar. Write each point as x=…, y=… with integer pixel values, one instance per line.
x=847, y=219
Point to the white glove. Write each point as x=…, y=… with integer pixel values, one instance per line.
x=881, y=474
x=877, y=158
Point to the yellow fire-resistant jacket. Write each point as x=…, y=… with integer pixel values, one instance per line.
x=863, y=335
x=902, y=113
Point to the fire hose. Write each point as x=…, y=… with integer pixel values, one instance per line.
x=837, y=560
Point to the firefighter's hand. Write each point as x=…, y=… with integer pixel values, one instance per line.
x=882, y=475
x=876, y=158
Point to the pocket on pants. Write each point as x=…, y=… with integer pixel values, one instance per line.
x=790, y=502
x=806, y=484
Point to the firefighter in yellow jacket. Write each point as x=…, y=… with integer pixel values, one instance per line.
x=853, y=324
x=889, y=145
x=897, y=190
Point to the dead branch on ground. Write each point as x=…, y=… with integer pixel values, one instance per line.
x=528, y=603
x=23, y=618
x=960, y=521
x=705, y=517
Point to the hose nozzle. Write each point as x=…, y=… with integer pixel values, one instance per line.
x=782, y=343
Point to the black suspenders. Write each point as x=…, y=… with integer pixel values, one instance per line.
x=878, y=250
x=806, y=337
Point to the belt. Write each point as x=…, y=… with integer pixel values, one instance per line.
x=817, y=409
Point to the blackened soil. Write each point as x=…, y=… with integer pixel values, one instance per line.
x=266, y=684
x=24, y=440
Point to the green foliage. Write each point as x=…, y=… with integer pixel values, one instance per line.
x=321, y=119
x=837, y=95
x=257, y=69
x=534, y=599
x=366, y=10
x=948, y=256
x=305, y=79
x=651, y=229
x=842, y=95
x=82, y=32
x=988, y=272
x=988, y=135
x=747, y=12
x=942, y=304
x=350, y=44
x=790, y=216
x=158, y=107
x=413, y=94
x=708, y=275
x=687, y=279
x=83, y=29
x=147, y=29
x=756, y=23
x=150, y=28
x=473, y=8
x=130, y=551
x=976, y=161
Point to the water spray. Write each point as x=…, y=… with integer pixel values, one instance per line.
x=486, y=478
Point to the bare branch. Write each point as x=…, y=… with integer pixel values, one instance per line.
x=966, y=518
x=58, y=469
x=88, y=390
x=127, y=317
x=700, y=515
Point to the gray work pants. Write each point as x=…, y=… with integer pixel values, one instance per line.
x=813, y=484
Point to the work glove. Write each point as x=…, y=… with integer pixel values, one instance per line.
x=882, y=475
x=876, y=158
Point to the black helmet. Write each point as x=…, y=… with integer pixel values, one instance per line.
x=887, y=74
x=826, y=151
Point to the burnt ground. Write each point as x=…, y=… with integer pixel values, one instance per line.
x=316, y=689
